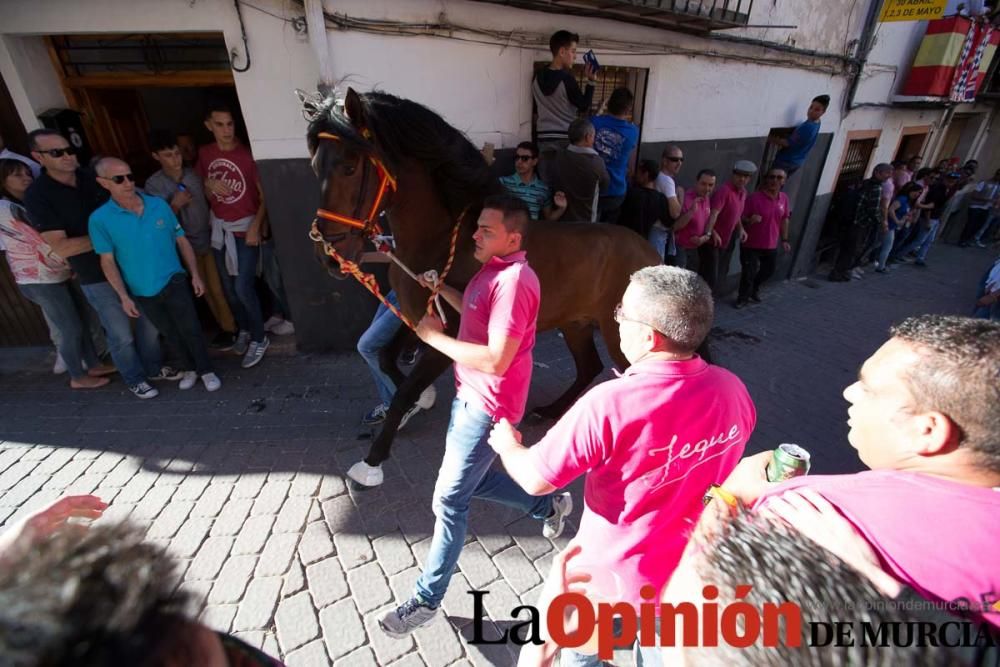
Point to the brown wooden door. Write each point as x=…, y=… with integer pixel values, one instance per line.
x=120, y=127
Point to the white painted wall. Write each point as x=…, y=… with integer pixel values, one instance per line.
x=483, y=89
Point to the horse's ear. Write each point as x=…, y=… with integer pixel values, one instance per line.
x=354, y=109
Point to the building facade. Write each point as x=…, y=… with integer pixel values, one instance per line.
x=716, y=83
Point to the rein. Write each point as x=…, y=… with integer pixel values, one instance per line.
x=370, y=230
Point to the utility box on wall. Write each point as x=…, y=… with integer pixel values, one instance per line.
x=69, y=124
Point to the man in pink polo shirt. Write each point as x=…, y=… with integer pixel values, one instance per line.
x=765, y=219
x=690, y=227
x=492, y=356
x=650, y=442
x=727, y=211
x=925, y=417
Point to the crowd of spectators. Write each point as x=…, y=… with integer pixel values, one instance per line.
x=118, y=270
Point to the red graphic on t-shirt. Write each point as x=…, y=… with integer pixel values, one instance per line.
x=237, y=169
x=229, y=173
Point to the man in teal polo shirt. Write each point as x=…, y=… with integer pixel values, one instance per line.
x=138, y=238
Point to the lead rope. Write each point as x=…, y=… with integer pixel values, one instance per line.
x=371, y=284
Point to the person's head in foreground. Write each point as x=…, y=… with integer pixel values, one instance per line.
x=781, y=564
x=104, y=597
x=928, y=400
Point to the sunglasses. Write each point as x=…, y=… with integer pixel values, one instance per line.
x=524, y=158
x=675, y=159
x=774, y=177
x=120, y=178
x=59, y=152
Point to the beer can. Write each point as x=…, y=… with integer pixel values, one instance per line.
x=787, y=462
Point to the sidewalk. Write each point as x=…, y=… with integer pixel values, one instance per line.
x=246, y=487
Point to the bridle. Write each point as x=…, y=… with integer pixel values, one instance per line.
x=369, y=229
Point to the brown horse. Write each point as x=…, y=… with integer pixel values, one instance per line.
x=441, y=181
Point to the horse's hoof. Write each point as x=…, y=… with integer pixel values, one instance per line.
x=364, y=476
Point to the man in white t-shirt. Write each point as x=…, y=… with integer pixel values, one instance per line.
x=981, y=200
x=660, y=235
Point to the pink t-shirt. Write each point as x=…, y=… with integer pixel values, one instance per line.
x=764, y=235
x=699, y=220
x=237, y=169
x=728, y=201
x=651, y=443
x=501, y=300
x=937, y=536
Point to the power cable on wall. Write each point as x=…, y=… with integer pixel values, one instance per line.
x=447, y=30
x=246, y=49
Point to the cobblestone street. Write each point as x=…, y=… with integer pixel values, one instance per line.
x=246, y=486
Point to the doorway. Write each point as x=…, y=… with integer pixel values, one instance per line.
x=854, y=167
x=126, y=85
x=911, y=144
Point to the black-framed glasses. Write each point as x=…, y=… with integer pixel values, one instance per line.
x=59, y=152
x=620, y=317
x=523, y=158
x=675, y=159
x=120, y=178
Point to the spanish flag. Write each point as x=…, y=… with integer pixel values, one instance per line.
x=953, y=59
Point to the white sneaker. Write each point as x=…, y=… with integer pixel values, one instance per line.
x=211, y=381
x=272, y=322
x=59, y=367
x=366, y=475
x=188, y=380
x=143, y=390
x=283, y=328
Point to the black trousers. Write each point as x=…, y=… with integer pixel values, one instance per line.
x=977, y=216
x=708, y=263
x=173, y=313
x=758, y=266
x=851, y=238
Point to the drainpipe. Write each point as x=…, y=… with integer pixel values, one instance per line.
x=864, y=49
x=321, y=47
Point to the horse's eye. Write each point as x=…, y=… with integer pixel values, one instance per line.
x=349, y=170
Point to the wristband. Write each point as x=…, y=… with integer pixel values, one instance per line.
x=716, y=491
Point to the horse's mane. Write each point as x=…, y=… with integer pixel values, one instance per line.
x=403, y=129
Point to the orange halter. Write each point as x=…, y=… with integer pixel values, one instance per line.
x=368, y=227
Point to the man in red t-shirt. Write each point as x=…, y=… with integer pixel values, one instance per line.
x=232, y=187
x=724, y=223
x=765, y=218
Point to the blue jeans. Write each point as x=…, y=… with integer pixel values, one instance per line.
x=660, y=238
x=272, y=276
x=645, y=656
x=887, y=240
x=380, y=333
x=135, y=356
x=987, y=228
x=991, y=312
x=922, y=244
x=466, y=473
x=68, y=320
x=240, y=290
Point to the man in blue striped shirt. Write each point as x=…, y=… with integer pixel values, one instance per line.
x=525, y=184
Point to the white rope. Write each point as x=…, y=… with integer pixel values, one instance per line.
x=430, y=276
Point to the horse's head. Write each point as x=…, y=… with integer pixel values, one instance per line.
x=356, y=187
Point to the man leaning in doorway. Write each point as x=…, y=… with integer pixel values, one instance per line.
x=181, y=187
x=558, y=99
x=237, y=203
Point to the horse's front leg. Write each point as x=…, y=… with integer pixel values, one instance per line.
x=367, y=474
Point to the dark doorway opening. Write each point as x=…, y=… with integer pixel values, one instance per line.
x=853, y=171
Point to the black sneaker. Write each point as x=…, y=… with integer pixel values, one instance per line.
x=739, y=304
x=223, y=341
x=755, y=298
